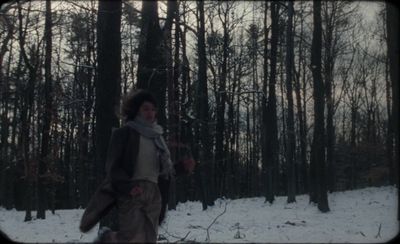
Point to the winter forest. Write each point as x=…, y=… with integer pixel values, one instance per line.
x=272, y=98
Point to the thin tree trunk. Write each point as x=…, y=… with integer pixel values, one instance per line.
x=26, y=114
x=265, y=169
x=330, y=133
x=272, y=148
x=392, y=23
x=152, y=70
x=318, y=148
x=108, y=84
x=5, y=198
x=303, y=178
x=205, y=170
x=291, y=141
x=220, y=109
x=172, y=84
x=45, y=148
x=389, y=130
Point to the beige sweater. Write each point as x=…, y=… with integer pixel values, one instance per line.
x=147, y=165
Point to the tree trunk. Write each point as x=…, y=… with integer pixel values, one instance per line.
x=265, y=168
x=45, y=148
x=152, y=69
x=5, y=198
x=108, y=84
x=206, y=171
x=330, y=133
x=26, y=114
x=220, y=109
x=173, y=90
x=392, y=23
x=318, y=148
x=271, y=147
x=291, y=140
x=302, y=176
x=389, y=131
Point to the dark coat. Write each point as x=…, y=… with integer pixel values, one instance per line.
x=121, y=157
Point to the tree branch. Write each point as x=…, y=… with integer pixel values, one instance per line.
x=208, y=228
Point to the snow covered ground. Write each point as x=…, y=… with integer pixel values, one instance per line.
x=360, y=216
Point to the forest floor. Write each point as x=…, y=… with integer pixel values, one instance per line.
x=359, y=216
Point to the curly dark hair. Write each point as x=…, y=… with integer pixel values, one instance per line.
x=132, y=102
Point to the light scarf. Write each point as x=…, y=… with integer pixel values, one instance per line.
x=154, y=131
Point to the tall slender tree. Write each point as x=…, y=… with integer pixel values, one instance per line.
x=318, y=146
x=271, y=133
x=108, y=83
x=299, y=71
x=201, y=107
x=172, y=76
x=264, y=106
x=31, y=60
x=5, y=101
x=392, y=24
x=152, y=66
x=291, y=140
x=45, y=147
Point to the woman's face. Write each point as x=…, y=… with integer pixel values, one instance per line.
x=148, y=112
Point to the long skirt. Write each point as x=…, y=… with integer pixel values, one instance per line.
x=138, y=216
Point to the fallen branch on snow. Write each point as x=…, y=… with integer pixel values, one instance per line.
x=177, y=237
x=208, y=228
x=379, y=231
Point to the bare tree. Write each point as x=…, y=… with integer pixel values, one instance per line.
x=152, y=70
x=392, y=22
x=32, y=62
x=291, y=140
x=336, y=19
x=318, y=148
x=271, y=134
x=108, y=82
x=9, y=28
x=299, y=87
x=45, y=147
x=201, y=108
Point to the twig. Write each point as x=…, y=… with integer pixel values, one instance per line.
x=379, y=231
x=174, y=236
x=208, y=228
x=182, y=239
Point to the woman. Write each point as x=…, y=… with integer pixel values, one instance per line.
x=138, y=161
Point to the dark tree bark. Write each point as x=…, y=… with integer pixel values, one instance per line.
x=186, y=86
x=220, y=104
x=291, y=140
x=389, y=131
x=265, y=170
x=48, y=111
x=87, y=145
x=318, y=147
x=271, y=147
x=5, y=101
x=108, y=84
x=27, y=108
x=303, y=171
x=392, y=24
x=201, y=107
x=336, y=23
x=328, y=70
x=152, y=66
x=173, y=90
